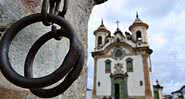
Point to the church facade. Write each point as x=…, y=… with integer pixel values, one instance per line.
x=122, y=67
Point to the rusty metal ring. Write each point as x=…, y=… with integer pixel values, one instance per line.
x=68, y=81
x=22, y=81
x=72, y=75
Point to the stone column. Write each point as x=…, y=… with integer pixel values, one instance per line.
x=148, y=91
x=126, y=85
x=112, y=86
x=51, y=54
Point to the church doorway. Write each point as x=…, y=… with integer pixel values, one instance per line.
x=119, y=86
x=119, y=89
x=117, y=92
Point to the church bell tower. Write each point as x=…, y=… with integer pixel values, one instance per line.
x=122, y=63
x=139, y=30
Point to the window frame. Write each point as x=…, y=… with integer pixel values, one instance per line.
x=141, y=83
x=99, y=84
x=100, y=40
x=108, y=66
x=129, y=61
x=138, y=35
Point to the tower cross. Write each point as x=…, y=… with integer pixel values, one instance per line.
x=117, y=22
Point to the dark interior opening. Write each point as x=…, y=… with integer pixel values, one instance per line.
x=141, y=83
x=99, y=84
x=138, y=35
x=99, y=40
x=117, y=91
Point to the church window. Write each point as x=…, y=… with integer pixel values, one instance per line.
x=141, y=83
x=118, y=53
x=138, y=35
x=129, y=63
x=107, y=66
x=98, y=84
x=99, y=40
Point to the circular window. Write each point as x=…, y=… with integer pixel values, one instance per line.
x=118, y=53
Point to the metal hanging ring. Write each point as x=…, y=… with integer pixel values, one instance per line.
x=68, y=80
x=19, y=80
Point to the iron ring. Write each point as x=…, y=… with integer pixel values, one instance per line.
x=72, y=75
x=22, y=81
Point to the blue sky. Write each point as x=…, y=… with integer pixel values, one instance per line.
x=166, y=35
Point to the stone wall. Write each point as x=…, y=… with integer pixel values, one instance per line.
x=50, y=56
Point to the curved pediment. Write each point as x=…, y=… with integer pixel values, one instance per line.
x=124, y=46
x=117, y=49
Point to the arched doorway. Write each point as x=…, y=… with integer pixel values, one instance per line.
x=119, y=86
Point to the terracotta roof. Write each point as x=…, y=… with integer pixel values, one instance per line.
x=102, y=28
x=138, y=22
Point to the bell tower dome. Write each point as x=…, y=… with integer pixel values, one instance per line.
x=100, y=34
x=139, y=30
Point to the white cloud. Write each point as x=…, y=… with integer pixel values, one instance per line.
x=158, y=41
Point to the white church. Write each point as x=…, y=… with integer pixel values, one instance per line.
x=122, y=65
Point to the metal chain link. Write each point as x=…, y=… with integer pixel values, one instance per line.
x=54, y=8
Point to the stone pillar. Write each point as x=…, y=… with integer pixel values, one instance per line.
x=148, y=91
x=95, y=73
x=51, y=55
